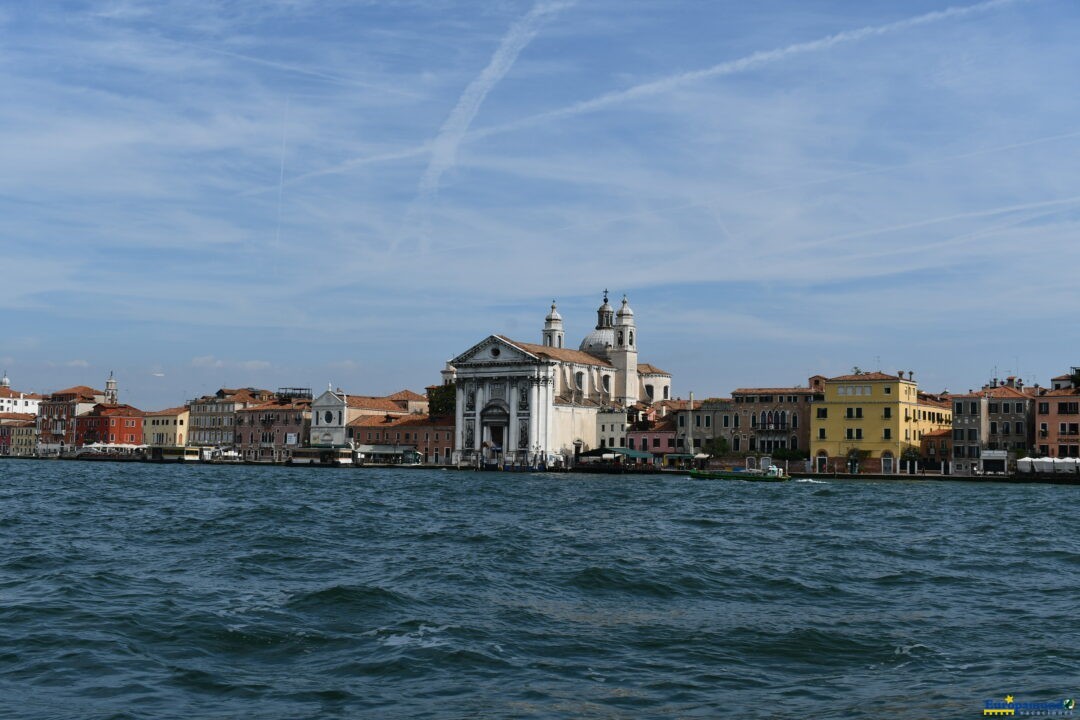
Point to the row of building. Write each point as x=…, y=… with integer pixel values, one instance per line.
x=508, y=402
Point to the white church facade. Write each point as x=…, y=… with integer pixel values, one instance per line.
x=527, y=403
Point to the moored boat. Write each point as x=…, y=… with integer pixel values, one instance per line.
x=773, y=474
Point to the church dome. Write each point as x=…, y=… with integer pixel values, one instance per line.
x=5, y=381
x=599, y=341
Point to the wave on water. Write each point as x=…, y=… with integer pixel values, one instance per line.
x=172, y=592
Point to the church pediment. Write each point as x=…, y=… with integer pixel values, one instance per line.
x=493, y=351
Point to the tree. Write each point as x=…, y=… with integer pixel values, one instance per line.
x=717, y=447
x=442, y=400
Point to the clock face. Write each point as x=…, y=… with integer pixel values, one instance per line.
x=328, y=417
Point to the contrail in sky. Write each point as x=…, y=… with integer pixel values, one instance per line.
x=444, y=147
x=749, y=62
x=455, y=130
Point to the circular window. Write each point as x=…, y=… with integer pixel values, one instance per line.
x=328, y=417
x=495, y=352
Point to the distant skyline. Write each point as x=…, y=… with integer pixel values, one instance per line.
x=297, y=193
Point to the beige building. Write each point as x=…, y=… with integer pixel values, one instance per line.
x=213, y=417
x=166, y=428
x=24, y=438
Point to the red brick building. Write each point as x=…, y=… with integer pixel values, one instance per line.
x=432, y=437
x=117, y=424
x=57, y=413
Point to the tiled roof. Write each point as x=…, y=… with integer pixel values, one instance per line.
x=17, y=416
x=407, y=395
x=943, y=432
x=774, y=391
x=1066, y=376
x=103, y=410
x=402, y=421
x=865, y=376
x=647, y=369
x=560, y=354
x=1001, y=391
x=368, y=402
x=80, y=391
x=168, y=411
x=301, y=404
x=9, y=393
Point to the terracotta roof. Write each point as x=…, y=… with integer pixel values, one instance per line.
x=560, y=354
x=9, y=393
x=368, y=402
x=17, y=416
x=1063, y=392
x=407, y=395
x=300, y=404
x=24, y=423
x=647, y=369
x=675, y=404
x=103, y=410
x=866, y=376
x=81, y=391
x=1066, y=376
x=774, y=391
x=168, y=411
x=943, y=432
x=1001, y=391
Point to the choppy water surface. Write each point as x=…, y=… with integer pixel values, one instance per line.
x=137, y=591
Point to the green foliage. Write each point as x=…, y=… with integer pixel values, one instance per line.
x=787, y=454
x=717, y=447
x=442, y=400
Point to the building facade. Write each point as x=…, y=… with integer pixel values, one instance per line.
x=1057, y=417
x=212, y=418
x=166, y=428
x=431, y=437
x=529, y=403
x=778, y=418
x=272, y=431
x=9, y=425
x=1000, y=416
x=24, y=439
x=13, y=401
x=56, y=417
x=110, y=424
x=869, y=420
x=334, y=410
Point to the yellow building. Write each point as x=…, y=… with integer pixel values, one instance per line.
x=166, y=428
x=869, y=419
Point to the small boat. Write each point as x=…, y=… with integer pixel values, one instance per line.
x=773, y=474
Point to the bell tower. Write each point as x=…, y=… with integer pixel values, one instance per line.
x=624, y=356
x=110, y=390
x=553, y=328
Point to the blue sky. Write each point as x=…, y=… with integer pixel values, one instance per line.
x=291, y=192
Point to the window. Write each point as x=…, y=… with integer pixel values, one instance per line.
x=993, y=428
x=974, y=408
x=726, y=421
x=887, y=434
x=888, y=412
x=850, y=434
x=822, y=413
x=888, y=390
x=994, y=408
x=579, y=380
x=821, y=433
x=656, y=442
x=858, y=433
x=708, y=421
x=1044, y=408
x=682, y=421
x=1006, y=408
x=697, y=421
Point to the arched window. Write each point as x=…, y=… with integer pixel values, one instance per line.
x=649, y=391
x=667, y=392
x=794, y=421
x=736, y=443
x=579, y=379
x=607, y=383
x=631, y=338
x=620, y=338
x=794, y=442
x=763, y=417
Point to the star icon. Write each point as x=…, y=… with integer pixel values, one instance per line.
x=1009, y=699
